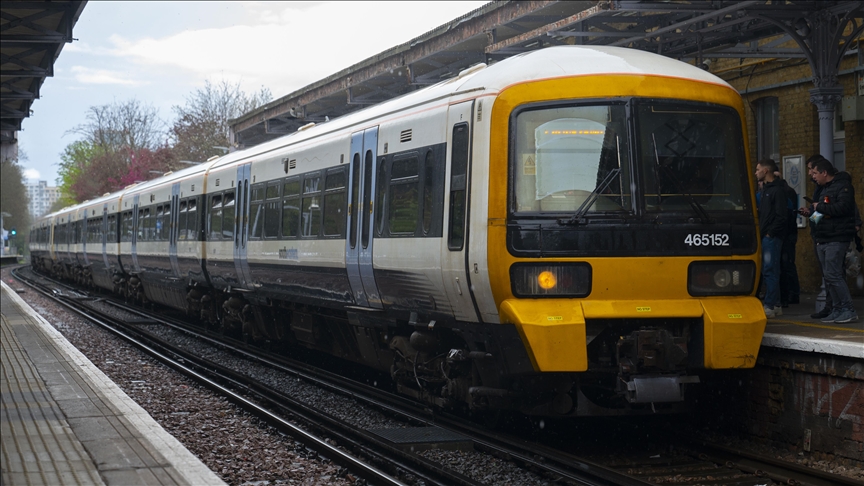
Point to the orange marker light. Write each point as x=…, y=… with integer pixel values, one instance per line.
x=546, y=280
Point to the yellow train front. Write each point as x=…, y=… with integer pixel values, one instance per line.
x=621, y=236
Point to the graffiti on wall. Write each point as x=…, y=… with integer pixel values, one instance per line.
x=837, y=399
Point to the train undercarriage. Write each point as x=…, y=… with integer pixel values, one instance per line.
x=635, y=366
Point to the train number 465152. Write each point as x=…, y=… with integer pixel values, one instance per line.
x=707, y=240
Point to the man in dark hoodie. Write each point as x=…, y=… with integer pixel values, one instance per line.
x=773, y=214
x=833, y=214
x=790, y=288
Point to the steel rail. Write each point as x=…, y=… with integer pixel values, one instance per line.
x=532, y=455
x=362, y=469
x=775, y=469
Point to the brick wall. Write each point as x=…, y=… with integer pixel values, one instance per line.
x=787, y=397
x=790, y=81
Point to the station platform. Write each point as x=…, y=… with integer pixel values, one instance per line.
x=64, y=422
x=796, y=330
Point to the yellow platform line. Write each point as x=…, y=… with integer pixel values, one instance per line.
x=820, y=326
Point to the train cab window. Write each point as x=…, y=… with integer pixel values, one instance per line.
x=404, y=205
x=215, y=222
x=335, y=203
x=458, y=186
x=182, y=214
x=691, y=158
x=192, y=219
x=256, y=212
x=272, y=205
x=291, y=208
x=228, y=215
x=310, y=218
x=565, y=156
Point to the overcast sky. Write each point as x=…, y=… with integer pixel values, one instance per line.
x=159, y=52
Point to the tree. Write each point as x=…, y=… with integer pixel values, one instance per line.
x=74, y=159
x=202, y=123
x=115, y=136
x=13, y=201
x=122, y=125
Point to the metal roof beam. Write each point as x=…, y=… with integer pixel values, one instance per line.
x=681, y=25
x=519, y=39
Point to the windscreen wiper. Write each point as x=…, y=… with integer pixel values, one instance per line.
x=700, y=211
x=580, y=213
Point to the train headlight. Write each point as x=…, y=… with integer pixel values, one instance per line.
x=721, y=278
x=544, y=280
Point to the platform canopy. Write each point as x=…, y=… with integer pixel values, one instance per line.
x=32, y=35
x=693, y=31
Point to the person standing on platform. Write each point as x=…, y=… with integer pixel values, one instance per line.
x=811, y=172
x=773, y=214
x=790, y=288
x=834, y=218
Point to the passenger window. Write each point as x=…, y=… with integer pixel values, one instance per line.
x=381, y=195
x=228, y=213
x=271, y=212
x=428, y=191
x=311, y=213
x=256, y=212
x=181, y=221
x=149, y=223
x=192, y=220
x=291, y=208
x=404, y=205
x=365, y=208
x=355, y=195
x=216, y=217
x=458, y=186
x=165, y=229
x=335, y=200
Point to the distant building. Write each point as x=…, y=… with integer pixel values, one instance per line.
x=41, y=198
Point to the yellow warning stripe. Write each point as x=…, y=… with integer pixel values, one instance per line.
x=820, y=326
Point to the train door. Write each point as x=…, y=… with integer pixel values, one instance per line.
x=454, y=250
x=136, y=232
x=174, y=218
x=241, y=225
x=361, y=218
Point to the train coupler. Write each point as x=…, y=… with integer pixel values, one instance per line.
x=655, y=389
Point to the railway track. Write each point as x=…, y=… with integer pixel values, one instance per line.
x=387, y=457
x=393, y=455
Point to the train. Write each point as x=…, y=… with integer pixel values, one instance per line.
x=567, y=232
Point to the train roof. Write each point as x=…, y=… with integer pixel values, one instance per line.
x=552, y=62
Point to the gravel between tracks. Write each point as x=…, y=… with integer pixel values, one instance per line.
x=228, y=440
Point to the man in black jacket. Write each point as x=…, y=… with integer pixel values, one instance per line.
x=790, y=288
x=773, y=215
x=833, y=215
